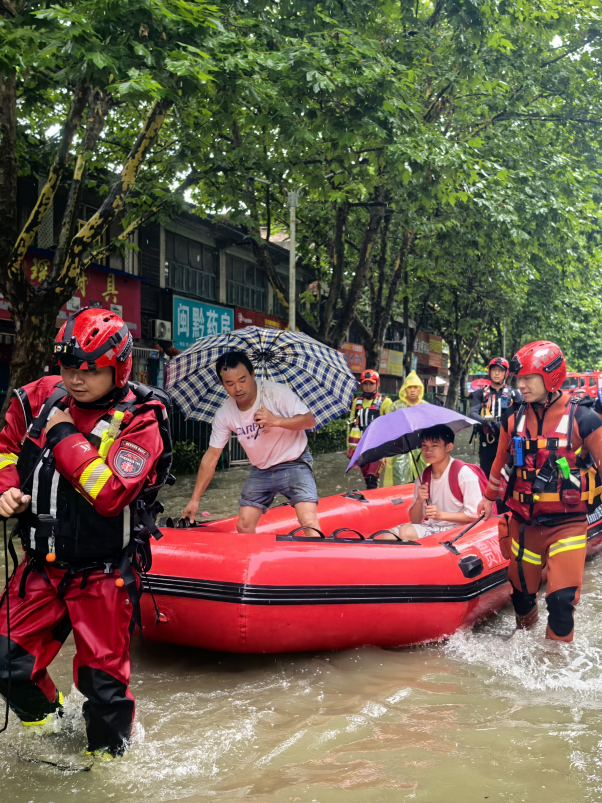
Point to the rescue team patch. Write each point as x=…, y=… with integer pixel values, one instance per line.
x=135, y=448
x=130, y=464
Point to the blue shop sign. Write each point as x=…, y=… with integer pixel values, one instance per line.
x=194, y=319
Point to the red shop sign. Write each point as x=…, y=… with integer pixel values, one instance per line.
x=355, y=355
x=247, y=317
x=97, y=288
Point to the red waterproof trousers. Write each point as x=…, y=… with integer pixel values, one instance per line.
x=100, y=614
x=371, y=473
x=562, y=550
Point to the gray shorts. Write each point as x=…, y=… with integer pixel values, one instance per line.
x=422, y=530
x=294, y=480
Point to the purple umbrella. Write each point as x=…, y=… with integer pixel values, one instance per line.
x=399, y=432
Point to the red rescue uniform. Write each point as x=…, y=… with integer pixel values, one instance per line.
x=81, y=589
x=548, y=525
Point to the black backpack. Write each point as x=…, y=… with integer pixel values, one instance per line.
x=148, y=507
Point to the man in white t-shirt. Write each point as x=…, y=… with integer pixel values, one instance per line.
x=273, y=436
x=435, y=507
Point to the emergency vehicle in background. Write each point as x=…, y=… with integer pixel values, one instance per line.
x=582, y=384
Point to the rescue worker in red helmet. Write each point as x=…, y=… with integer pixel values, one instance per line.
x=81, y=459
x=545, y=471
x=364, y=409
x=487, y=406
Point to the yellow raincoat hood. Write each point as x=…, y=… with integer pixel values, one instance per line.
x=411, y=379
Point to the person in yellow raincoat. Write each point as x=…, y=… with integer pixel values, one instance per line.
x=404, y=468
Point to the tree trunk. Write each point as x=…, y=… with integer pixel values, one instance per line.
x=379, y=317
x=354, y=294
x=455, y=375
x=34, y=309
x=35, y=332
x=338, y=267
x=384, y=317
x=99, y=104
x=463, y=380
x=14, y=277
x=8, y=166
x=264, y=259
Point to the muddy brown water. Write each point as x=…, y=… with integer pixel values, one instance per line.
x=479, y=717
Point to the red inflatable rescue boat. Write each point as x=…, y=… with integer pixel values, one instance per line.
x=281, y=591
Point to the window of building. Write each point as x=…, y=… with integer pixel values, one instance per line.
x=245, y=284
x=192, y=267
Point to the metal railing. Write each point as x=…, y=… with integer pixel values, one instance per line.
x=236, y=454
x=196, y=431
x=199, y=433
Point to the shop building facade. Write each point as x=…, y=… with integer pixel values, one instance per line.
x=187, y=279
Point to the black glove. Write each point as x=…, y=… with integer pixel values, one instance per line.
x=492, y=428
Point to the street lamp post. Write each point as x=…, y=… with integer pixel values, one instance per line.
x=293, y=202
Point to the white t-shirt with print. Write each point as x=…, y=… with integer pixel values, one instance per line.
x=273, y=445
x=441, y=495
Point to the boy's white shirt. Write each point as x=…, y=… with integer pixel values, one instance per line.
x=440, y=494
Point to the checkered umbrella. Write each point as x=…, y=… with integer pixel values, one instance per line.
x=318, y=374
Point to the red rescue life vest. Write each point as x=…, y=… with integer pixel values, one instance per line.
x=551, y=494
x=363, y=417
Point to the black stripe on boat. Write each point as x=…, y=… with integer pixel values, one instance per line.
x=191, y=588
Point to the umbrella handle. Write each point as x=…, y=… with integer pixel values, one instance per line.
x=260, y=398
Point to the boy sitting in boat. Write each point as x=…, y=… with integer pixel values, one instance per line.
x=272, y=433
x=445, y=495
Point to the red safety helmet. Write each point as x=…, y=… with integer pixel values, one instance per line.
x=94, y=338
x=501, y=362
x=544, y=358
x=370, y=376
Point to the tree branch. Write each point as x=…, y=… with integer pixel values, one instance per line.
x=99, y=104
x=30, y=229
x=116, y=199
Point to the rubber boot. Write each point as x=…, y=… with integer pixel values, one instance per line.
x=528, y=621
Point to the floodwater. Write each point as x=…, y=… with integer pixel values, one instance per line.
x=485, y=716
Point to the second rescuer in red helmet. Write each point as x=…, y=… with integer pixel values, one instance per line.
x=364, y=409
x=486, y=408
x=81, y=459
x=545, y=471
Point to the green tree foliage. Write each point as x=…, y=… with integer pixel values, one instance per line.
x=447, y=151
x=89, y=99
x=446, y=155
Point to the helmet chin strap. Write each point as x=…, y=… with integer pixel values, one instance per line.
x=112, y=397
x=547, y=402
x=369, y=395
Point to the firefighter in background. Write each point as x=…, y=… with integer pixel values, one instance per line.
x=81, y=458
x=545, y=471
x=364, y=409
x=487, y=406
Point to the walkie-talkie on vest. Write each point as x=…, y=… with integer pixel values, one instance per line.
x=517, y=451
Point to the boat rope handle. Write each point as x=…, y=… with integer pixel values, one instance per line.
x=372, y=537
x=320, y=533
x=355, y=494
x=335, y=534
x=183, y=524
